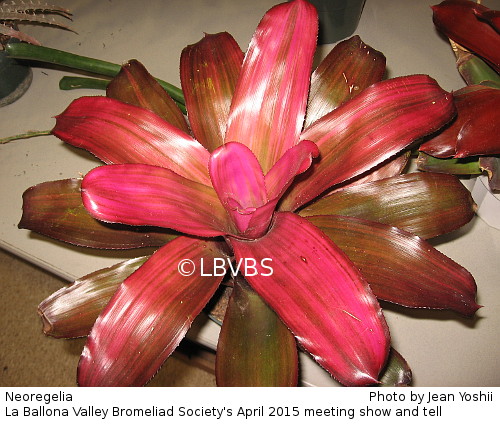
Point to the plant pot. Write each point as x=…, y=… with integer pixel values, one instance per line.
x=488, y=203
x=15, y=78
x=338, y=19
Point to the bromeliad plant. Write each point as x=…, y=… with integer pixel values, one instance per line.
x=470, y=144
x=313, y=210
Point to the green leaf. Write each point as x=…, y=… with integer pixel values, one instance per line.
x=425, y=204
x=397, y=372
x=72, y=83
x=255, y=348
x=473, y=69
x=400, y=267
x=55, y=209
x=459, y=166
x=72, y=311
x=58, y=57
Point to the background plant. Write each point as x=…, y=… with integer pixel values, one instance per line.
x=470, y=144
x=14, y=12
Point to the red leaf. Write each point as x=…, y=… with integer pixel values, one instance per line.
x=321, y=296
x=118, y=133
x=148, y=316
x=476, y=128
x=136, y=86
x=55, y=209
x=458, y=21
x=490, y=16
x=349, y=68
x=369, y=129
x=400, y=267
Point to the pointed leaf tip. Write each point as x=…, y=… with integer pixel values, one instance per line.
x=349, y=68
x=400, y=267
x=136, y=86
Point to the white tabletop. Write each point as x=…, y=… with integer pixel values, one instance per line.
x=442, y=348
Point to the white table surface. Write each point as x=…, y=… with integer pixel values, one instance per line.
x=442, y=348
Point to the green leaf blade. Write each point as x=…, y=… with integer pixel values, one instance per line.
x=400, y=267
x=425, y=204
x=55, y=209
x=255, y=348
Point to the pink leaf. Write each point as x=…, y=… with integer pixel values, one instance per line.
x=268, y=108
x=239, y=182
x=321, y=296
x=248, y=196
x=118, y=133
x=295, y=161
x=148, y=316
x=138, y=194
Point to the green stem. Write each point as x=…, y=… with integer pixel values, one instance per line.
x=58, y=57
x=459, y=166
x=25, y=136
x=71, y=83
